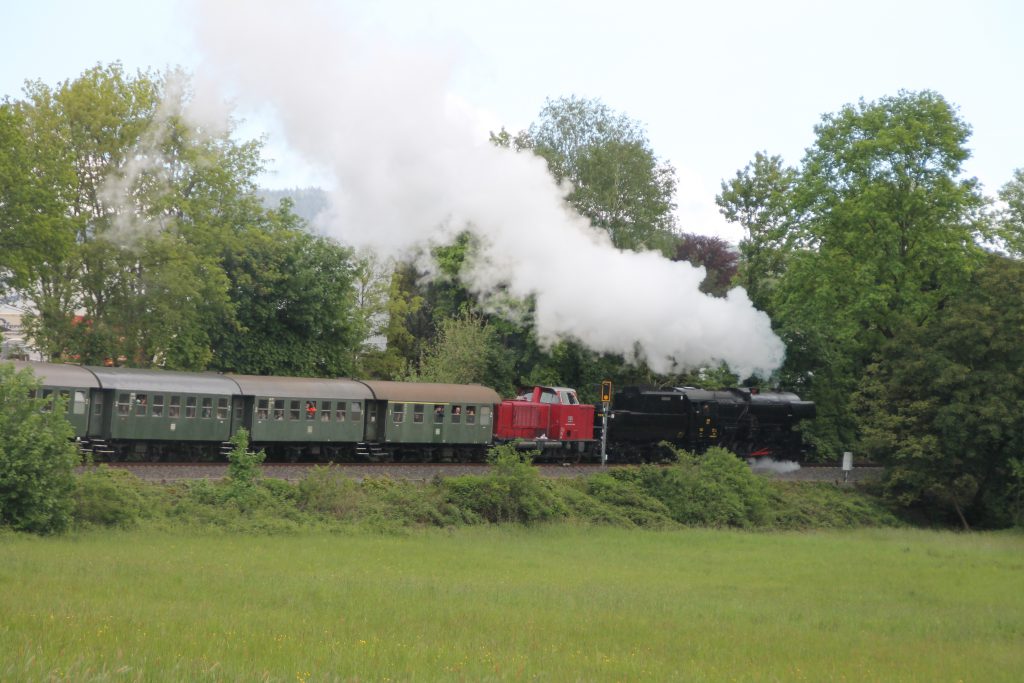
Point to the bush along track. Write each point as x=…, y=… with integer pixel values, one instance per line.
x=711, y=490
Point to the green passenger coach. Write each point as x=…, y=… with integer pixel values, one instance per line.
x=300, y=417
x=75, y=384
x=446, y=421
x=157, y=414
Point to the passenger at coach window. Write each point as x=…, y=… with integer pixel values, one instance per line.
x=438, y=414
x=471, y=415
x=310, y=410
x=456, y=414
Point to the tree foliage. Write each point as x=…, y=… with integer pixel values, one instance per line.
x=873, y=233
x=1011, y=217
x=617, y=181
x=945, y=408
x=294, y=298
x=714, y=255
x=136, y=236
x=37, y=458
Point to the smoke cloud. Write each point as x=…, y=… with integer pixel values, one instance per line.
x=410, y=168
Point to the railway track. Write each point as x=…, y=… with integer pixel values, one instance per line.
x=170, y=472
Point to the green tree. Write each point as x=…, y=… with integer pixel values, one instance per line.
x=945, y=410
x=37, y=458
x=761, y=199
x=140, y=195
x=466, y=351
x=1011, y=218
x=874, y=233
x=31, y=217
x=294, y=297
x=617, y=181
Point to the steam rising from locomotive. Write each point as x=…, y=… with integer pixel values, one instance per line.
x=411, y=166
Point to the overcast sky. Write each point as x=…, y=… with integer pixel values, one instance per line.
x=712, y=82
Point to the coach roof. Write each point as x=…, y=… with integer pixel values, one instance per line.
x=302, y=387
x=59, y=375
x=419, y=392
x=165, y=381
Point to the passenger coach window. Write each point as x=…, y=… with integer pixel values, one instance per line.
x=456, y=414
x=47, y=400
x=471, y=415
x=325, y=411
x=79, y=404
x=262, y=409
x=158, y=406
x=65, y=394
x=438, y=414
x=279, y=409
x=417, y=413
x=190, y=407
x=223, y=412
x=97, y=407
x=141, y=404
x=357, y=409
x=339, y=414
x=123, y=405
x=293, y=412
x=174, y=409
x=310, y=410
x=399, y=412
x=207, y=408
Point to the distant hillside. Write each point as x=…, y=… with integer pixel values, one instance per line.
x=309, y=201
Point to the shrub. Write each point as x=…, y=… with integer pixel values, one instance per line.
x=716, y=489
x=243, y=464
x=818, y=505
x=630, y=499
x=109, y=497
x=37, y=458
x=512, y=492
x=326, y=490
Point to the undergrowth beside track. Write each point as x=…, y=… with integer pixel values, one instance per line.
x=714, y=490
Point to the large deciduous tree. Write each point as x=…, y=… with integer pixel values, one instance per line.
x=158, y=250
x=129, y=186
x=714, y=254
x=1011, y=217
x=944, y=406
x=873, y=233
x=617, y=181
x=294, y=302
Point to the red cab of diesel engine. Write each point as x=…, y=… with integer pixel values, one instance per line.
x=546, y=413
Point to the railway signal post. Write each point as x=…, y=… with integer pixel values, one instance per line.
x=606, y=399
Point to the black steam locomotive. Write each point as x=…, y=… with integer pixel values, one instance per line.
x=750, y=423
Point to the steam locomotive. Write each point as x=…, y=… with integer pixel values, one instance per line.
x=134, y=414
x=748, y=422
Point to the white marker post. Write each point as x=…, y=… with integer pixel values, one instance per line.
x=847, y=465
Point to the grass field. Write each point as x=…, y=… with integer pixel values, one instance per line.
x=552, y=604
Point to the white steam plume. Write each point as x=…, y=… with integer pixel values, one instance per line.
x=411, y=168
x=771, y=465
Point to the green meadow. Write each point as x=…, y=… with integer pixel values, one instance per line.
x=551, y=603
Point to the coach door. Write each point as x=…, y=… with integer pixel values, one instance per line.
x=241, y=413
x=376, y=416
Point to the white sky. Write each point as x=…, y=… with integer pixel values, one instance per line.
x=712, y=82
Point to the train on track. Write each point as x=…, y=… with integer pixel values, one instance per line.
x=128, y=414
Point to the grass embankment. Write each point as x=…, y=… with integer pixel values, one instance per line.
x=715, y=490
x=509, y=603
